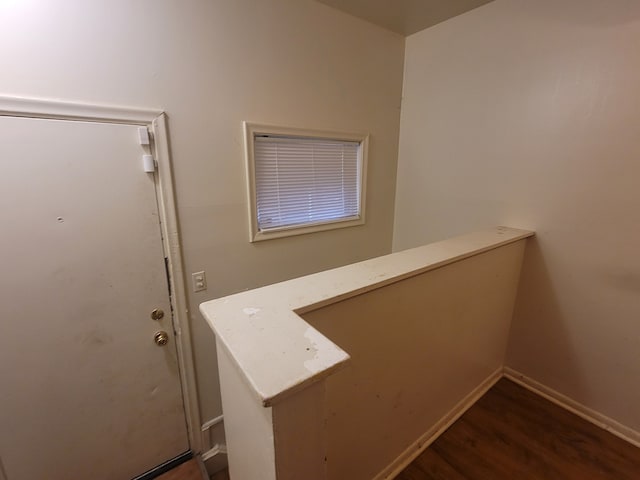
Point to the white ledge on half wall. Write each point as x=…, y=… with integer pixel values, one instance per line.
x=279, y=353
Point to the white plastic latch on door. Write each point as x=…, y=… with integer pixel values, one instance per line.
x=143, y=136
x=148, y=163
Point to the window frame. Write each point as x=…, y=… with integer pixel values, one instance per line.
x=250, y=132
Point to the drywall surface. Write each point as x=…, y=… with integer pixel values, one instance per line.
x=299, y=426
x=210, y=64
x=527, y=114
x=417, y=347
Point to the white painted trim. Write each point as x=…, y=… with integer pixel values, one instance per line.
x=420, y=445
x=216, y=450
x=215, y=459
x=203, y=469
x=209, y=430
x=171, y=240
x=156, y=121
x=212, y=423
x=59, y=110
x=250, y=130
x=588, y=414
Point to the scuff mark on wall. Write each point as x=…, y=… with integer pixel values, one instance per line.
x=622, y=279
x=251, y=311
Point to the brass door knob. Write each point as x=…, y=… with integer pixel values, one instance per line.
x=161, y=338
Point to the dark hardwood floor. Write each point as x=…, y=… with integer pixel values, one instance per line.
x=511, y=433
x=189, y=470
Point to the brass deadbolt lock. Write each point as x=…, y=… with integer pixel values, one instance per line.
x=161, y=338
x=157, y=314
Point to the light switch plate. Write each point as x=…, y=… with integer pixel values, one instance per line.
x=199, y=281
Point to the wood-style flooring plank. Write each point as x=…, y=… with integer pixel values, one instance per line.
x=412, y=472
x=538, y=450
x=436, y=467
x=511, y=433
x=189, y=470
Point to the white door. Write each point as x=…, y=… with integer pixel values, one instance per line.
x=85, y=393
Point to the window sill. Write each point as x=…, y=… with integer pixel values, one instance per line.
x=262, y=235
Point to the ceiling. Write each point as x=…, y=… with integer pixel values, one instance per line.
x=405, y=16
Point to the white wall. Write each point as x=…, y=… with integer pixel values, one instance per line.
x=211, y=64
x=527, y=114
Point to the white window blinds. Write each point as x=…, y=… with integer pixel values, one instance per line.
x=305, y=181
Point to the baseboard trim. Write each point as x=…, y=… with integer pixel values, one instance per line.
x=203, y=469
x=420, y=445
x=416, y=448
x=212, y=436
x=215, y=459
x=216, y=450
x=209, y=424
x=592, y=416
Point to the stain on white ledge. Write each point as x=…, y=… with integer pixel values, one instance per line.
x=331, y=355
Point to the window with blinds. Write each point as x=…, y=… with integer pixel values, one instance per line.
x=304, y=182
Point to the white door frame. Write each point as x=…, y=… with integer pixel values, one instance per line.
x=156, y=122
